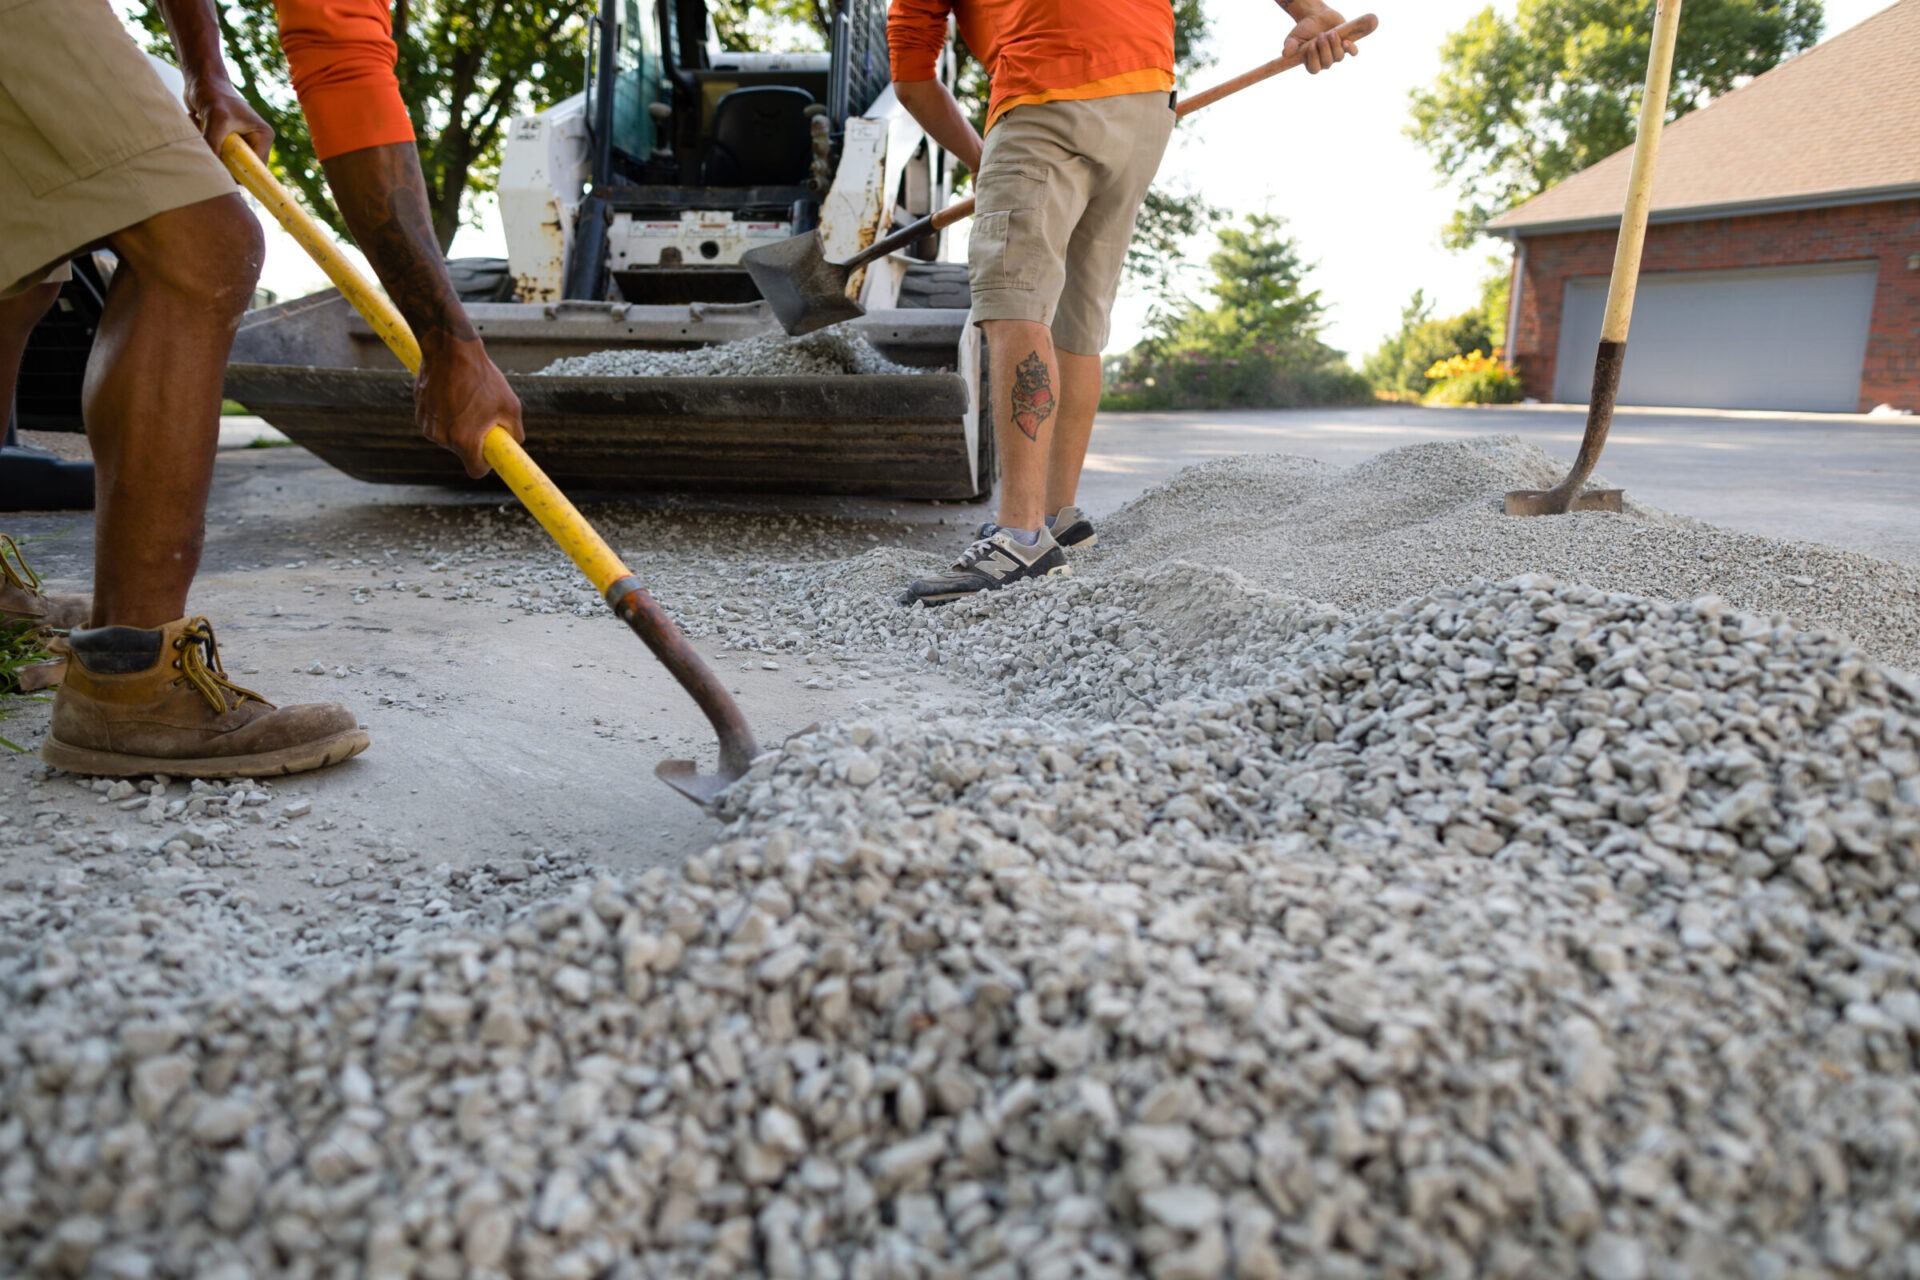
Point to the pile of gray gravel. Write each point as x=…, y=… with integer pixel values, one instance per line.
x=1518, y=927
x=826, y=352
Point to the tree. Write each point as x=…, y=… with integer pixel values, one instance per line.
x=1261, y=300
x=1525, y=101
x=1401, y=363
x=1258, y=345
x=466, y=67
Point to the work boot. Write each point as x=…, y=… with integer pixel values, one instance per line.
x=138, y=702
x=21, y=599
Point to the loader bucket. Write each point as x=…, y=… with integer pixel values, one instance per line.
x=805, y=291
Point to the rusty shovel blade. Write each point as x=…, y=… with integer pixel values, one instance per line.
x=685, y=777
x=805, y=291
x=1550, y=502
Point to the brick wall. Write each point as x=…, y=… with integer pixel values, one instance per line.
x=1889, y=231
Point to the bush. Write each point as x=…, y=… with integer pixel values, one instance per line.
x=1472, y=379
x=1400, y=366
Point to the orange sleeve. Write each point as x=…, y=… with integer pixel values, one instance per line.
x=916, y=37
x=341, y=54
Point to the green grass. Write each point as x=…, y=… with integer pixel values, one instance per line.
x=19, y=647
x=233, y=409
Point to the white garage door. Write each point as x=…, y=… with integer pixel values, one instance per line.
x=1775, y=338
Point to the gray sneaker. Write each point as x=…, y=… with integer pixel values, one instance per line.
x=1071, y=529
x=989, y=564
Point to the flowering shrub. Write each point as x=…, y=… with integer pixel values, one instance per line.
x=1473, y=378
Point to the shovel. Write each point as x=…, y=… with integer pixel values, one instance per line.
x=808, y=292
x=1569, y=494
x=608, y=573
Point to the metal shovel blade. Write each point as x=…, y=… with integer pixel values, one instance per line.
x=685, y=777
x=805, y=291
x=1548, y=502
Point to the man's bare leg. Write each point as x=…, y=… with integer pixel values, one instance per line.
x=1025, y=378
x=1072, y=427
x=18, y=315
x=152, y=400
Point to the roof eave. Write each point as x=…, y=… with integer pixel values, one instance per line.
x=1696, y=213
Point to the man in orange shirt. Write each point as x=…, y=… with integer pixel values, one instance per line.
x=94, y=152
x=1079, y=117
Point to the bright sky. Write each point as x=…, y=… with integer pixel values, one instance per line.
x=1327, y=152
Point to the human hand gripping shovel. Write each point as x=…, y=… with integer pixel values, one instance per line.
x=1570, y=494
x=807, y=292
x=608, y=573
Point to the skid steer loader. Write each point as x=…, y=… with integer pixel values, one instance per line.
x=626, y=209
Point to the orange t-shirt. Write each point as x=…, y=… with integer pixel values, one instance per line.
x=1041, y=50
x=341, y=54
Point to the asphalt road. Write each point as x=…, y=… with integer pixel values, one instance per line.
x=1847, y=481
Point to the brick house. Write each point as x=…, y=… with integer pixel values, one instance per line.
x=1782, y=265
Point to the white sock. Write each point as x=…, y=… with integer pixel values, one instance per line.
x=1025, y=537
x=1050, y=520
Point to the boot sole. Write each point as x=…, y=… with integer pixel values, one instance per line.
x=264, y=764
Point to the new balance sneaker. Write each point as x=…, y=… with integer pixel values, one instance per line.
x=138, y=701
x=988, y=565
x=1071, y=529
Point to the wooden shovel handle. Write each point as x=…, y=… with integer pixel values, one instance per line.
x=1357, y=29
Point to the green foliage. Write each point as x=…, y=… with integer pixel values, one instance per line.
x=466, y=67
x=768, y=26
x=1495, y=288
x=1525, y=101
x=1400, y=366
x=19, y=647
x=1258, y=346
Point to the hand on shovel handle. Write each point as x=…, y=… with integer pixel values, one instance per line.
x=542, y=498
x=1346, y=33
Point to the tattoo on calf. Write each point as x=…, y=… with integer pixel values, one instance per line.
x=1032, y=395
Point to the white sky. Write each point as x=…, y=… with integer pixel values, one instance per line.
x=1327, y=152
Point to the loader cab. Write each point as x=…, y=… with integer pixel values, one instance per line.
x=700, y=154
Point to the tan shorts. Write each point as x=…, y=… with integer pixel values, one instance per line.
x=91, y=141
x=1060, y=185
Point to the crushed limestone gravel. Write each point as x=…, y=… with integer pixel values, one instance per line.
x=1510, y=925
x=830, y=351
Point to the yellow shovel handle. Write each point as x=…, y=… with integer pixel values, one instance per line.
x=523, y=475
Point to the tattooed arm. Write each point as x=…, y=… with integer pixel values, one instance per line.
x=459, y=395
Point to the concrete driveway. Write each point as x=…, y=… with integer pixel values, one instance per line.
x=1850, y=481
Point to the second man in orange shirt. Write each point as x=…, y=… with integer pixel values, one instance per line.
x=1078, y=120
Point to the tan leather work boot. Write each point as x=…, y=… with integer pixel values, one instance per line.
x=21, y=599
x=138, y=702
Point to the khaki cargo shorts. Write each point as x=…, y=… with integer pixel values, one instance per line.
x=1060, y=185
x=91, y=141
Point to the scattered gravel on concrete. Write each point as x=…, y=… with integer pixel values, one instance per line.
x=1427, y=516
x=1518, y=927
x=835, y=350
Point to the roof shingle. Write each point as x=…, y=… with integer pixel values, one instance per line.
x=1841, y=119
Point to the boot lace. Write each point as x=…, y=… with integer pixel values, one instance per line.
x=199, y=665
x=14, y=570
